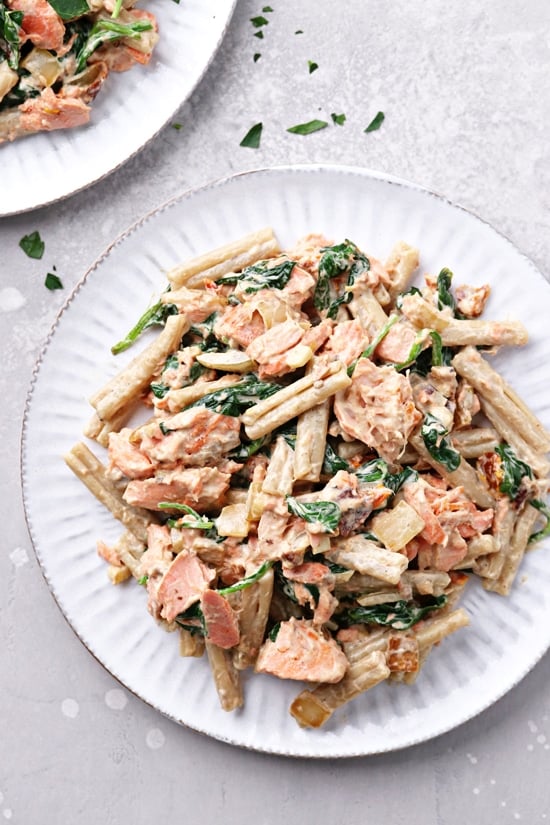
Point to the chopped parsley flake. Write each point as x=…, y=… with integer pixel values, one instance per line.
x=308, y=128
x=53, y=281
x=256, y=57
x=259, y=34
x=253, y=137
x=376, y=122
x=259, y=21
x=312, y=66
x=338, y=120
x=32, y=245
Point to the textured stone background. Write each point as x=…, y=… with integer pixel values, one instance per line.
x=466, y=96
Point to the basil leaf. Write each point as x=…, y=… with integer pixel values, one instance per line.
x=332, y=462
x=70, y=9
x=433, y=434
x=236, y=399
x=32, y=245
x=246, y=582
x=400, y=615
x=53, y=281
x=154, y=316
x=543, y=508
x=10, y=21
x=197, y=522
x=513, y=468
x=376, y=122
x=325, y=513
x=338, y=120
x=105, y=31
x=253, y=137
x=312, y=66
x=308, y=128
x=261, y=276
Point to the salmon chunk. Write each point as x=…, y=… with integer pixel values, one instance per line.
x=194, y=437
x=378, y=409
x=302, y=652
x=222, y=625
x=202, y=488
x=183, y=584
x=41, y=23
x=48, y=112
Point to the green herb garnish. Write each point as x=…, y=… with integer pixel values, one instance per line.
x=338, y=120
x=52, y=281
x=259, y=21
x=312, y=66
x=376, y=122
x=32, y=245
x=253, y=137
x=256, y=57
x=308, y=128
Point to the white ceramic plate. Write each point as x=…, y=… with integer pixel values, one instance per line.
x=471, y=669
x=130, y=109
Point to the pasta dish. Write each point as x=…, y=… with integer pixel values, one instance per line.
x=310, y=460
x=56, y=54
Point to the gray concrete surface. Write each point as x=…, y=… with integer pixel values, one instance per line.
x=465, y=91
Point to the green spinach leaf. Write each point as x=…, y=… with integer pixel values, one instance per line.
x=154, y=316
x=433, y=434
x=400, y=615
x=239, y=397
x=261, y=276
x=513, y=468
x=325, y=513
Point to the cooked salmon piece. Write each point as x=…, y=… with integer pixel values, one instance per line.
x=202, y=488
x=41, y=23
x=222, y=624
x=308, y=251
x=240, y=324
x=309, y=572
x=183, y=584
x=127, y=457
x=378, y=409
x=108, y=554
x=396, y=345
x=347, y=341
x=471, y=300
x=48, y=112
x=194, y=437
x=299, y=287
x=302, y=652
